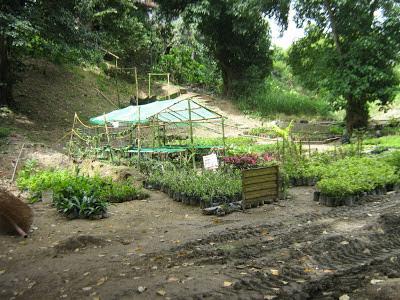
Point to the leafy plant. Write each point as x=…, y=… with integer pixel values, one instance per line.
x=75, y=204
x=274, y=97
x=207, y=187
x=74, y=194
x=246, y=161
x=392, y=141
x=4, y=132
x=351, y=176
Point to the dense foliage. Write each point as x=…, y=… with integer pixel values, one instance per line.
x=75, y=31
x=349, y=53
x=205, y=187
x=352, y=176
x=76, y=195
x=392, y=141
x=188, y=60
x=236, y=34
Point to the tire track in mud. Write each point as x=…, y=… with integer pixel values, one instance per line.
x=291, y=229
x=316, y=265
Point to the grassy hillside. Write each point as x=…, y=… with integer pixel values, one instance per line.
x=281, y=95
x=48, y=95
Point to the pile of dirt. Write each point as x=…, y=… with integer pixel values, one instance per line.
x=390, y=222
x=78, y=242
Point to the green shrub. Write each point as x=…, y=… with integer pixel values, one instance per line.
x=186, y=69
x=273, y=97
x=351, y=176
x=263, y=131
x=392, y=141
x=206, y=186
x=393, y=159
x=77, y=204
x=4, y=132
x=73, y=194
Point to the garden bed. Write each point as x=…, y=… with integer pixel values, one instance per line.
x=351, y=200
x=346, y=181
x=203, y=188
x=75, y=195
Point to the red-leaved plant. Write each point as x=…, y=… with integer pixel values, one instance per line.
x=246, y=161
x=242, y=161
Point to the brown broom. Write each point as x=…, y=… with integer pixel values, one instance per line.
x=15, y=215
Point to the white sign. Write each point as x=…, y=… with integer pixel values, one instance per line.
x=115, y=124
x=210, y=162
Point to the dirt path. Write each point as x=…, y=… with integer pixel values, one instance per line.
x=236, y=121
x=294, y=249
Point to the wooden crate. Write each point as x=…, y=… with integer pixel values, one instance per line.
x=260, y=185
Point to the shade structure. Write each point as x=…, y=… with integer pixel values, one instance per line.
x=167, y=111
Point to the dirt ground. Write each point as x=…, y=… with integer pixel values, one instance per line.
x=161, y=249
x=158, y=248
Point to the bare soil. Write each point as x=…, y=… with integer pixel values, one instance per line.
x=292, y=249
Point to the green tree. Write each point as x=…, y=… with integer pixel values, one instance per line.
x=236, y=34
x=16, y=37
x=187, y=59
x=73, y=31
x=349, y=52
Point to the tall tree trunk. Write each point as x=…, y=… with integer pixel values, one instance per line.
x=227, y=80
x=5, y=74
x=356, y=115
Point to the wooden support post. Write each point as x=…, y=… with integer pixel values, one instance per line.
x=169, y=97
x=149, y=94
x=301, y=147
x=138, y=138
x=137, y=87
x=164, y=135
x=96, y=143
x=153, y=132
x=223, y=134
x=116, y=82
x=16, y=163
x=72, y=135
x=191, y=134
x=108, y=137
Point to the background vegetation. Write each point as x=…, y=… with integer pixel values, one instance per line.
x=347, y=58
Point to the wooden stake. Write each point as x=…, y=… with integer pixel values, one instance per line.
x=139, y=137
x=116, y=85
x=16, y=163
x=137, y=87
x=223, y=134
x=108, y=137
x=149, y=85
x=169, y=97
x=72, y=135
x=191, y=133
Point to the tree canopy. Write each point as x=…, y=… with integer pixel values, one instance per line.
x=349, y=51
x=74, y=31
x=236, y=33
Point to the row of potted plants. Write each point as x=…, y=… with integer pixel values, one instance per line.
x=204, y=188
x=346, y=181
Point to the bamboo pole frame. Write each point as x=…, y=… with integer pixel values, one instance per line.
x=191, y=134
x=223, y=134
x=72, y=133
x=139, y=138
x=155, y=121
